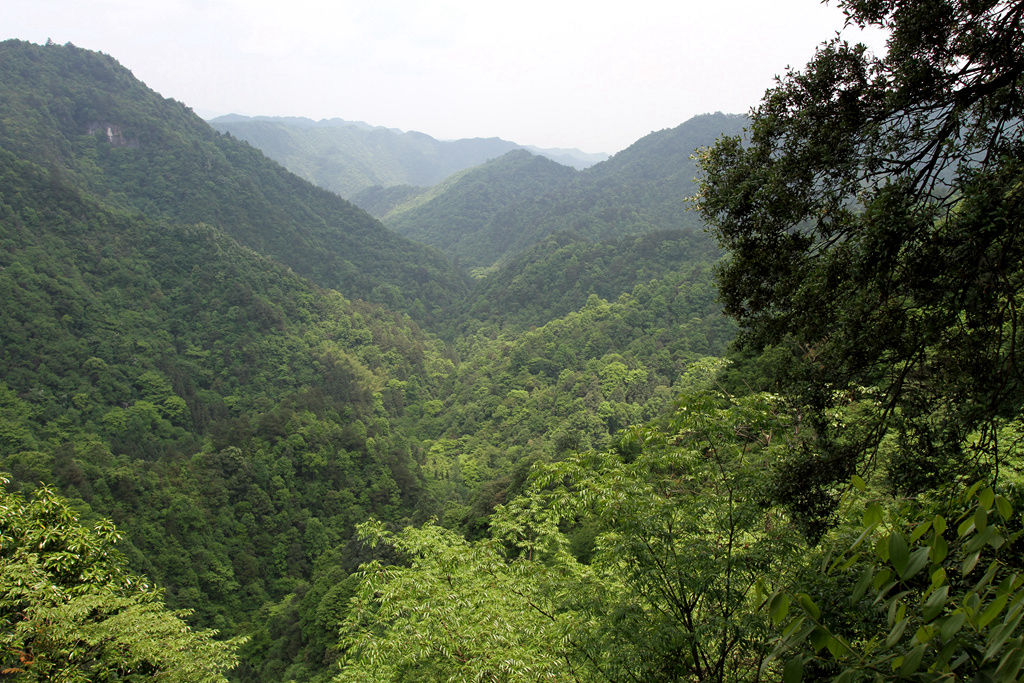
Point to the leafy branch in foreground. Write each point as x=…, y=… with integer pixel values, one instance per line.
x=455, y=611
x=934, y=591
x=70, y=611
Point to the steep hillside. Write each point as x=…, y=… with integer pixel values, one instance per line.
x=86, y=118
x=640, y=190
x=379, y=201
x=558, y=274
x=209, y=400
x=347, y=157
x=456, y=216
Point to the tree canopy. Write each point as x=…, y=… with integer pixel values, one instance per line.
x=71, y=611
x=873, y=220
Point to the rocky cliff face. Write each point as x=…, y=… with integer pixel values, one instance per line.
x=115, y=136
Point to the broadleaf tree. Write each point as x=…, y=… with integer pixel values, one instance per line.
x=71, y=611
x=873, y=219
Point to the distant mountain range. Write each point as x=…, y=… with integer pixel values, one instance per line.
x=487, y=214
x=347, y=157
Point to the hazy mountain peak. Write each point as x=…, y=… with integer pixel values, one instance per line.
x=348, y=157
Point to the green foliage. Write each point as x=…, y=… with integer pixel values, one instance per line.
x=646, y=567
x=378, y=201
x=558, y=275
x=921, y=598
x=570, y=385
x=872, y=223
x=72, y=612
x=457, y=611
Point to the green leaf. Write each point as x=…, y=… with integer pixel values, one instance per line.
x=933, y=605
x=872, y=515
x=778, y=608
x=819, y=638
x=836, y=647
x=896, y=632
x=794, y=671
x=913, y=661
x=1010, y=666
x=882, y=548
x=792, y=627
x=920, y=530
x=858, y=483
x=1004, y=507
x=969, y=563
x=939, y=549
x=980, y=519
x=862, y=585
x=965, y=527
x=993, y=610
x=986, y=497
x=881, y=578
x=939, y=524
x=918, y=561
x=809, y=606
x=899, y=554
x=997, y=639
x=952, y=624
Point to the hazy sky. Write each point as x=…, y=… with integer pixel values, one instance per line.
x=554, y=73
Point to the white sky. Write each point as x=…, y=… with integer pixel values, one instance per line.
x=590, y=74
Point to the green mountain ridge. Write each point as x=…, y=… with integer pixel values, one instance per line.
x=456, y=216
x=348, y=157
x=84, y=116
x=642, y=189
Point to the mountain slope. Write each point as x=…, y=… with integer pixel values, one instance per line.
x=207, y=399
x=88, y=119
x=456, y=216
x=640, y=190
x=558, y=274
x=347, y=157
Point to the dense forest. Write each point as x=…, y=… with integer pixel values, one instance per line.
x=540, y=423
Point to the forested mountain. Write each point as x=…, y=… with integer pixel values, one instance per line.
x=348, y=157
x=378, y=200
x=558, y=274
x=464, y=216
x=83, y=117
x=641, y=189
x=173, y=362
x=581, y=470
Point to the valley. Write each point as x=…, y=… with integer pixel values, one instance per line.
x=740, y=402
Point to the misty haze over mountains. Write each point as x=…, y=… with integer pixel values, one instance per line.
x=347, y=157
x=489, y=199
